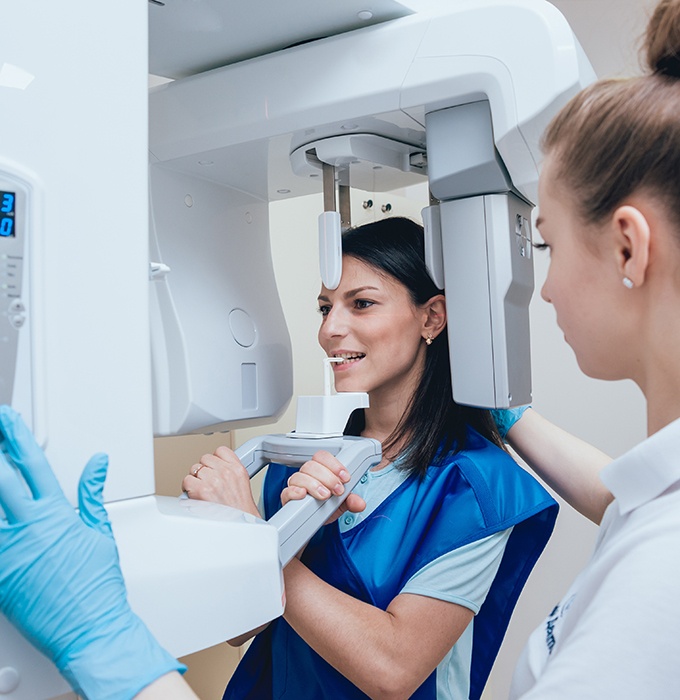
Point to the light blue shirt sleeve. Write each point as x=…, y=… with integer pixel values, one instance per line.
x=463, y=576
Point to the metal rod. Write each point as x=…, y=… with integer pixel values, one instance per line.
x=345, y=207
x=328, y=187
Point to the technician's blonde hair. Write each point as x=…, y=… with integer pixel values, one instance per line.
x=619, y=137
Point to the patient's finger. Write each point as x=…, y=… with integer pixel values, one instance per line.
x=313, y=486
x=323, y=475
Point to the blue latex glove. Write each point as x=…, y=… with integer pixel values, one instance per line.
x=505, y=418
x=60, y=581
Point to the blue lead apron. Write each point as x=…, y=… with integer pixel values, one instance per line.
x=470, y=495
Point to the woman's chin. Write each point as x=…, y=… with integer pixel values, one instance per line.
x=346, y=384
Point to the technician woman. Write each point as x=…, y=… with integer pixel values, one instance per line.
x=382, y=603
x=610, y=217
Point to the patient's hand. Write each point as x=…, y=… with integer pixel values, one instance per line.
x=221, y=478
x=322, y=477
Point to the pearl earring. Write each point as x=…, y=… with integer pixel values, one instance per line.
x=628, y=283
x=429, y=339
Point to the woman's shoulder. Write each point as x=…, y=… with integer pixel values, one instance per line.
x=499, y=484
x=482, y=453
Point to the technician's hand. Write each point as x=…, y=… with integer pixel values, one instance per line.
x=221, y=478
x=60, y=582
x=322, y=477
x=505, y=418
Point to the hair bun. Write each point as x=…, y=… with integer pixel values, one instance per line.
x=668, y=65
x=662, y=42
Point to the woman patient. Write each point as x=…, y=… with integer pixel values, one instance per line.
x=412, y=596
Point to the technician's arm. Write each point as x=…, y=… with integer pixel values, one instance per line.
x=566, y=463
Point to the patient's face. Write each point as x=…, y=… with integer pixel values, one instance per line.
x=371, y=322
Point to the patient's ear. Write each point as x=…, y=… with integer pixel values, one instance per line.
x=434, y=320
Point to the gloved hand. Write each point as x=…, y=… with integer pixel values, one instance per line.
x=60, y=581
x=505, y=418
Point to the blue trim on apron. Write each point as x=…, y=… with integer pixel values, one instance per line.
x=470, y=495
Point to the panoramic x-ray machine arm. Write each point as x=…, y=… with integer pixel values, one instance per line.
x=459, y=96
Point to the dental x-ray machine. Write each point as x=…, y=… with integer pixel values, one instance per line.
x=119, y=321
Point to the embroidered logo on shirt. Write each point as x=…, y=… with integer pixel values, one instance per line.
x=555, y=616
x=549, y=628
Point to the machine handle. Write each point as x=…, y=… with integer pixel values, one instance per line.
x=297, y=521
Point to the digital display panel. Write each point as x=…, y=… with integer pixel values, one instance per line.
x=7, y=212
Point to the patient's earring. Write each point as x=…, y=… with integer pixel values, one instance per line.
x=628, y=283
x=429, y=339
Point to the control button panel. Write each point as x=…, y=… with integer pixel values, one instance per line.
x=523, y=235
x=13, y=312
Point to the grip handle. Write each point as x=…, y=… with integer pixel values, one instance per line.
x=297, y=521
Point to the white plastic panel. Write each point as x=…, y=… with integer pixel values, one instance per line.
x=489, y=281
x=191, y=37
x=195, y=543
x=170, y=548
x=220, y=346
x=463, y=160
x=330, y=249
x=433, y=244
x=86, y=212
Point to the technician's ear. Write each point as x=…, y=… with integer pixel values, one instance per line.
x=632, y=240
x=435, y=316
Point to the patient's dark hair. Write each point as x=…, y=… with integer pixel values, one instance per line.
x=434, y=424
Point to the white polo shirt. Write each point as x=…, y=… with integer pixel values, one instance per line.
x=616, y=634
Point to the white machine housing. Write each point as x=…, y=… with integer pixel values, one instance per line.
x=371, y=101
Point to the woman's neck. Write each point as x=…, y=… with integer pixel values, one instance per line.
x=663, y=400
x=655, y=363
x=386, y=409
x=380, y=425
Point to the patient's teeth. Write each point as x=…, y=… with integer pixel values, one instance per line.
x=348, y=357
